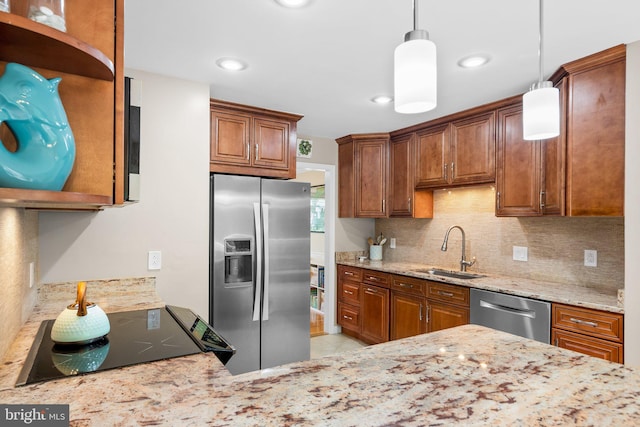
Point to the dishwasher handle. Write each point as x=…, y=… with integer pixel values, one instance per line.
x=513, y=310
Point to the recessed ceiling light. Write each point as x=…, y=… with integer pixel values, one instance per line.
x=292, y=3
x=231, y=64
x=381, y=99
x=474, y=61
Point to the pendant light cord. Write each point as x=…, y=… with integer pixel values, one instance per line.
x=540, y=36
x=415, y=15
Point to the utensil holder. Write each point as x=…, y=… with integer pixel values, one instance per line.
x=375, y=252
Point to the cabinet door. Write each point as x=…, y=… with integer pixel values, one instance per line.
x=408, y=315
x=518, y=167
x=374, y=310
x=444, y=316
x=554, y=158
x=346, y=184
x=432, y=154
x=401, y=176
x=371, y=178
x=473, y=150
x=230, y=138
x=587, y=345
x=270, y=143
x=596, y=139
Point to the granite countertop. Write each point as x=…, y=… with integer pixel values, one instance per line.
x=469, y=375
x=547, y=291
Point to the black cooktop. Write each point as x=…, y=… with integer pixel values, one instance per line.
x=136, y=337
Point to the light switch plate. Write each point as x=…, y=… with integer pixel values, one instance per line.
x=392, y=243
x=590, y=258
x=520, y=253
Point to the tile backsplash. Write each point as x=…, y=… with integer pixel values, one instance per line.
x=18, y=248
x=555, y=244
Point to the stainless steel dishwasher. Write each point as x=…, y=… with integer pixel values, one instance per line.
x=525, y=317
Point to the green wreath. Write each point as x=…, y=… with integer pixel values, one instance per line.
x=304, y=147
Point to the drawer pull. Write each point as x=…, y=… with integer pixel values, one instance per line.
x=583, y=322
x=405, y=285
x=348, y=292
x=375, y=279
x=347, y=317
x=445, y=294
x=348, y=273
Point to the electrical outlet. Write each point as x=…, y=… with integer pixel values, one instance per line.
x=520, y=253
x=590, y=258
x=155, y=260
x=392, y=243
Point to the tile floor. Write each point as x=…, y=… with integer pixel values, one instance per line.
x=325, y=345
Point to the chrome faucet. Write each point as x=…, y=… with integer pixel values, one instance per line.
x=463, y=262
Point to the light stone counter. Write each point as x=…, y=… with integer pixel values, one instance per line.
x=553, y=292
x=468, y=375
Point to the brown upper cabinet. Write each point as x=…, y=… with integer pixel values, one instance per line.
x=89, y=59
x=595, y=121
x=404, y=199
x=529, y=174
x=252, y=141
x=459, y=152
x=362, y=175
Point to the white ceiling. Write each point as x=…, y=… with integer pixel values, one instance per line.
x=327, y=60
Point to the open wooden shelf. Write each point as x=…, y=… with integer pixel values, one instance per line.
x=44, y=199
x=37, y=45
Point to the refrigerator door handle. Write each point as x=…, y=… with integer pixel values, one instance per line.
x=265, y=299
x=257, y=288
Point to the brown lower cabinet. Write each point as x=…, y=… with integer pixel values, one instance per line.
x=592, y=332
x=444, y=316
x=375, y=307
x=408, y=315
x=375, y=314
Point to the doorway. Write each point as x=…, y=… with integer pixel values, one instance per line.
x=322, y=287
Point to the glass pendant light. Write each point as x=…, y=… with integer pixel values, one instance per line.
x=415, y=71
x=541, y=105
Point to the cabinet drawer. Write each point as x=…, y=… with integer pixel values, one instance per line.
x=349, y=273
x=448, y=293
x=377, y=278
x=349, y=293
x=410, y=285
x=349, y=317
x=599, y=324
x=595, y=347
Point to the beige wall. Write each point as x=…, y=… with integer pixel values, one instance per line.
x=555, y=244
x=632, y=208
x=18, y=248
x=172, y=216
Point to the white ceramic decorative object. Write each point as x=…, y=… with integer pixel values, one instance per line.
x=80, y=323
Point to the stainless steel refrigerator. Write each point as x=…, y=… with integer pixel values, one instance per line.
x=259, y=269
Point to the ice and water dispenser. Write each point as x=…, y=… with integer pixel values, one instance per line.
x=238, y=261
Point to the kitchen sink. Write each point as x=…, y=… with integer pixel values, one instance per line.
x=448, y=273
